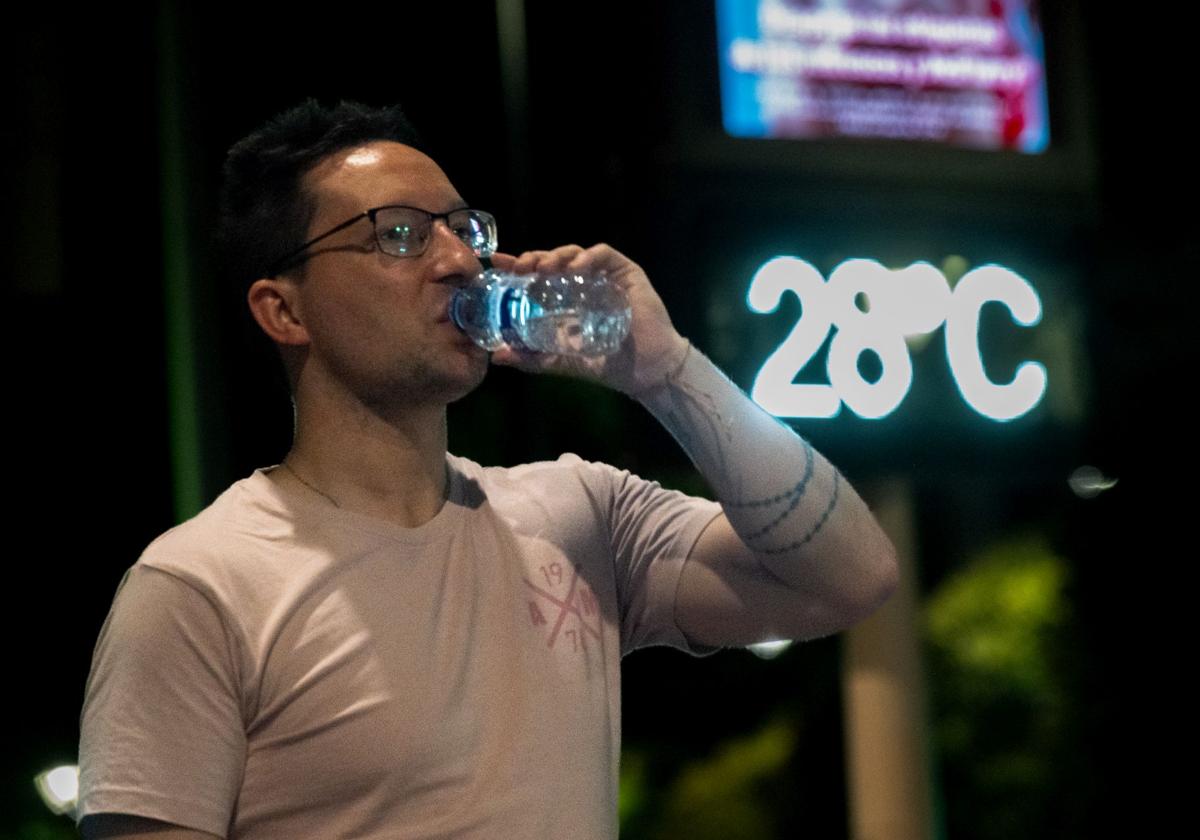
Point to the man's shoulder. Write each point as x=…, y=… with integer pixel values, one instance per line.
x=571, y=482
x=568, y=471
x=566, y=463
x=221, y=535
x=564, y=490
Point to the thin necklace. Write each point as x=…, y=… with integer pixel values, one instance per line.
x=288, y=467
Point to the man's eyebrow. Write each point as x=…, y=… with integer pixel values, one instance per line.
x=454, y=206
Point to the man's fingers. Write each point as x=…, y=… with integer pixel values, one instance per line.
x=512, y=357
x=547, y=262
x=504, y=262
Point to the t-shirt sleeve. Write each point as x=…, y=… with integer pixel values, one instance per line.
x=162, y=734
x=652, y=530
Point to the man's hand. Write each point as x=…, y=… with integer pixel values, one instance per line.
x=651, y=351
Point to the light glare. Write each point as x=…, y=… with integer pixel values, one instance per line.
x=1089, y=482
x=59, y=788
x=769, y=650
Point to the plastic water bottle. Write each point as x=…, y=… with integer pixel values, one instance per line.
x=567, y=314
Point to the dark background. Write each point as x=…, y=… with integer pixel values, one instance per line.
x=124, y=112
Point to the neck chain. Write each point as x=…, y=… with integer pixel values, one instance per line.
x=332, y=500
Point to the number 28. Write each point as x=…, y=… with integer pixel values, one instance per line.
x=914, y=300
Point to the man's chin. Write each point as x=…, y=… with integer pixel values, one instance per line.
x=444, y=382
x=471, y=378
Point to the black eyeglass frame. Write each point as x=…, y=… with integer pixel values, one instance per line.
x=290, y=259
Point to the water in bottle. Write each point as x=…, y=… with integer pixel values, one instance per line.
x=556, y=313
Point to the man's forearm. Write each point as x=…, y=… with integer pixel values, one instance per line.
x=785, y=501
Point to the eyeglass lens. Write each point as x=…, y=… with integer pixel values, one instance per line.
x=405, y=231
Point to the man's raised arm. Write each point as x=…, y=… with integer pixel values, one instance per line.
x=797, y=554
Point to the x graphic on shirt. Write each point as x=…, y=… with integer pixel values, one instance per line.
x=565, y=606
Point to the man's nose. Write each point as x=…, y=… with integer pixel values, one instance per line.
x=455, y=260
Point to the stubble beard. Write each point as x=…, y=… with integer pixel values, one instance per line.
x=415, y=382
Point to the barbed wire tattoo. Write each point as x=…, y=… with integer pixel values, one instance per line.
x=693, y=414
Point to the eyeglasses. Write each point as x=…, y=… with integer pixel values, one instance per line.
x=405, y=232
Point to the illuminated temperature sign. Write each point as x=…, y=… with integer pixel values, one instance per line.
x=909, y=302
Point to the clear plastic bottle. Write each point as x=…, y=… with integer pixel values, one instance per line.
x=566, y=314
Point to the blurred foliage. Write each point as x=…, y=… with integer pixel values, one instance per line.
x=1000, y=680
x=47, y=827
x=723, y=797
x=631, y=797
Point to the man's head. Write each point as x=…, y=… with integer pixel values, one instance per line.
x=361, y=314
x=265, y=208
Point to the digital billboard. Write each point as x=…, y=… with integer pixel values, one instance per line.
x=962, y=72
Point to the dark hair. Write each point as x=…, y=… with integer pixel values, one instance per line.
x=264, y=209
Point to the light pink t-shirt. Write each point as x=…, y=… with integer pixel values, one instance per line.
x=278, y=667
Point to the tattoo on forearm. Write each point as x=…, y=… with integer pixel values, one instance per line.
x=703, y=416
x=815, y=529
x=792, y=496
x=696, y=414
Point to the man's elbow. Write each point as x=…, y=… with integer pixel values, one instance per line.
x=888, y=576
x=878, y=581
x=887, y=572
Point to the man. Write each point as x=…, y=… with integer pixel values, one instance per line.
x=380, y=639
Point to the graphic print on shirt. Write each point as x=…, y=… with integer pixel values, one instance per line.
x=563, y=605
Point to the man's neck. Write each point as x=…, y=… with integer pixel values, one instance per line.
x=392, y=468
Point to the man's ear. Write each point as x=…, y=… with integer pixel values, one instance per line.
x=275, y=305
